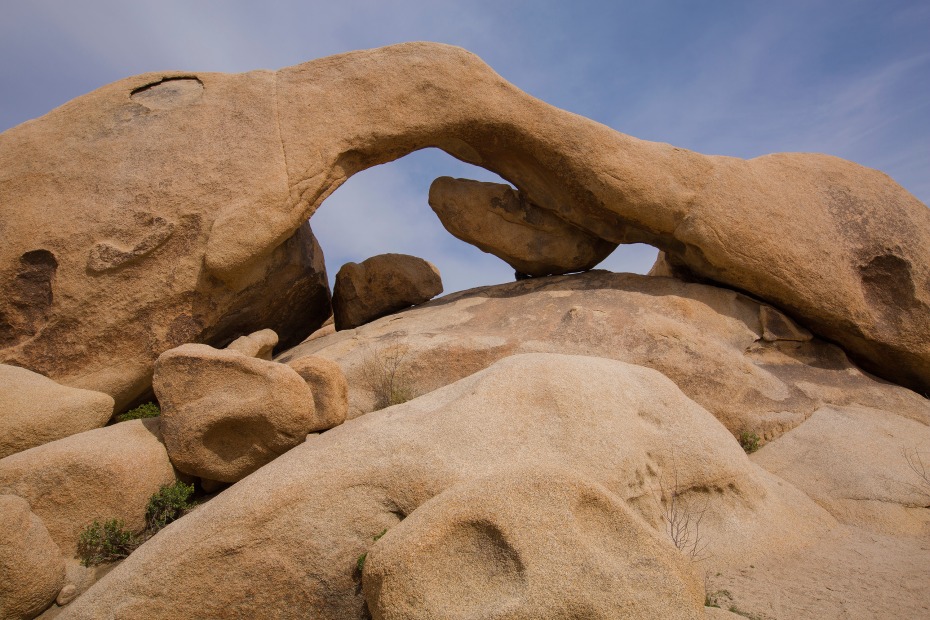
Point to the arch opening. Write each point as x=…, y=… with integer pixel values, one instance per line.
x=384, y=208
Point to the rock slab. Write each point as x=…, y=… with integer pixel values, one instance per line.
x=35, y=410
x=107, y=473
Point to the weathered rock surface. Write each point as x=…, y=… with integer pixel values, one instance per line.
x=168, y=171
x=381, y=285
x=35, y=410
x=259, y=344
x=225, y=414
x=721, y=348
x=487, y=548
x=501, y=221
x=101, y=474
x=30, y=562
x=329, y=386
x=311, y=513
x=863, y=465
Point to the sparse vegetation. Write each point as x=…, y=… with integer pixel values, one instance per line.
x=106, y=542
x=749, y=441
x=111, y=541
x=386, y=374
x=148, y=410
x=360, y=563
x=682, y=520
x=916, y=463
x=170, y=503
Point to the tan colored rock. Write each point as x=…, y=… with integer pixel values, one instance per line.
x=30, y=562
x=259, y=344
x=168, y=171
x=382, y=285
x=225, y=414
x=528, y=545
x=710, y=341
x=863, y=465
x=501, y=221
x=107, y=473
x=312, y=512
x=35, y=410
x=329, y=386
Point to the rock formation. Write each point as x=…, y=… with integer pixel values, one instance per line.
x=30, y=562
x=225, y=414
x=35, y=410
x=743, y=361
x=381, y=285
x=499, y=220
x=560, y=447
x=107, y=473
x=630, y=436
x=192, y=224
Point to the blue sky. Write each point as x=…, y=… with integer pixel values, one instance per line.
x=742, y=78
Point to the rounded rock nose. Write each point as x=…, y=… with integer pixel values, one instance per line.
x=476, y=551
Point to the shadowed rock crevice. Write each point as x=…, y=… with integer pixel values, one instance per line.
x=29, y=297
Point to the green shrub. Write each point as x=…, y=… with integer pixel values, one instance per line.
x=148, y=410
x=170, y=503
x=749, y=441
x=101, y=544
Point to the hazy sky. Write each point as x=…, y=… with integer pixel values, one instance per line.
x=742, y=78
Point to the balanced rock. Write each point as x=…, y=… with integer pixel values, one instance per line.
x=501, y=221
x=35, y=410
x=628, y=433
x=382, y=285
x=259, y=344
x=107, y=473
x=225, y=414
x=329, y=386
x=30, y=562
x=525, y=544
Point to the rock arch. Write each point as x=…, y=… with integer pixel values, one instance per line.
x=239, y=162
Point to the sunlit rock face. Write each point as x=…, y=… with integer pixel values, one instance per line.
x=171, y=207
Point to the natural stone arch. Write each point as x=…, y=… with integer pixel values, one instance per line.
x=792, y=229
x=198, y=183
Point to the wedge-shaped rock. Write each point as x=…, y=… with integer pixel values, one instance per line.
x=225, y=414
x=501, y=221
x=107, y=473
x=35, y=410
x=30, y=562
x=529, y=544
x=381, y=285
x=290, y=536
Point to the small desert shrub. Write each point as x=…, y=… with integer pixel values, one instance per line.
x=170, y=503
x=682, y=518
x=148, y=410
x=749, y=441
x=386, y=374
x=107, y=542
